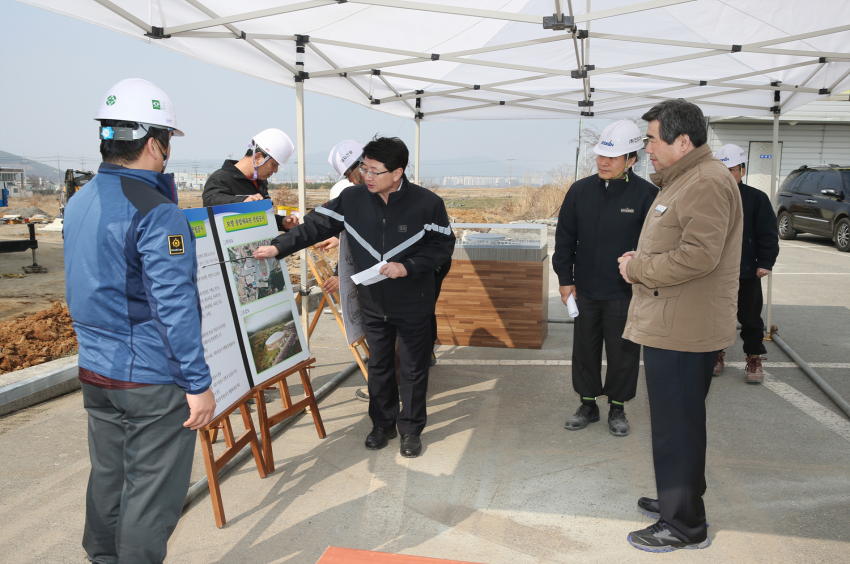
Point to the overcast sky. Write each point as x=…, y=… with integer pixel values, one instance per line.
x=56, y=69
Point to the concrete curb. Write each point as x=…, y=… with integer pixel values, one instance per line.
x=41, y=387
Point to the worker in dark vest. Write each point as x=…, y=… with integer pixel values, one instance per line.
x=758, y=255
x=246, y=180
x=601, y=219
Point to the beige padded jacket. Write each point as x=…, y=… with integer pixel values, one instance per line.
x=685, y=272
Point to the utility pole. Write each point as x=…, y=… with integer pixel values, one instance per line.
x=24, y=177
x=511, y=174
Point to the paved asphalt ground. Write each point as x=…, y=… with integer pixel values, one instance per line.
x=500, y=479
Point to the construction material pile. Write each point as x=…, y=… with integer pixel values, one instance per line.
x=28, y=341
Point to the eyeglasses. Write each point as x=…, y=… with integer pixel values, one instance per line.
x=366, y=171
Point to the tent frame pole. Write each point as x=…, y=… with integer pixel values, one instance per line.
x=418, y=123
x=774, y=181
x=302, y=202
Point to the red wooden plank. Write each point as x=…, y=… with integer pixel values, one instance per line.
x=337, y=555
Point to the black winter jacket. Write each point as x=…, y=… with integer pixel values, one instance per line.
x=412, y=228
x=228, y=185
x=595, y=227
x=761, y=235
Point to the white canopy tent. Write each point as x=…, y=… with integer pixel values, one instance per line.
x=507, y=59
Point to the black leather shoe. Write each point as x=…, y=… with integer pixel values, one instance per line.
x=379, y=437
x=411, y=446
x=584, y=415
x=618, y=425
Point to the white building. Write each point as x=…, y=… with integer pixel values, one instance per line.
x=190, y=180
x=813, y=134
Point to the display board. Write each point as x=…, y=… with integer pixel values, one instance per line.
x=251, y=326
x=220, y=334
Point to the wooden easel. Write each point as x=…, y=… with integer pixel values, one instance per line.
x=321, y=272
x=234, y=445
x=289, y=409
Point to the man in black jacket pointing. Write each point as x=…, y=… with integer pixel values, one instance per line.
x=387, y=219
x=601, y=219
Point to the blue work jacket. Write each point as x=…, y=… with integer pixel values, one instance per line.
x=130, y=270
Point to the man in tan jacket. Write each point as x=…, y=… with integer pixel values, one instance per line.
x=685, y=287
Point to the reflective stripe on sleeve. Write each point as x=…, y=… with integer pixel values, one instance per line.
x=325, y=211
x=438, y=229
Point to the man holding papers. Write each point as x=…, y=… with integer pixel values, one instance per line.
x=388, y=219
x=600, y=219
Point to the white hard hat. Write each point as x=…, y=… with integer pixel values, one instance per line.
x=345, y=155
x=274, y=143
x=135, y=99
x=731, y=155
x=619, y=138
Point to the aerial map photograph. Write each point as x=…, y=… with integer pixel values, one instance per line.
x=255, y=278
x=272, y=335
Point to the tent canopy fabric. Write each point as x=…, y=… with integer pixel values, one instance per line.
x=509, y=59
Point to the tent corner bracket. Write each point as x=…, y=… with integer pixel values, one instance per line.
x=157, y=33
x=558, y=22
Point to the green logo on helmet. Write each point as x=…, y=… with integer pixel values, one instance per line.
x=110, y=101
x=156, y=105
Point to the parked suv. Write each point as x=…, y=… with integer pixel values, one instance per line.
x=813, y=200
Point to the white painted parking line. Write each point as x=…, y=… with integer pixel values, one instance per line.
x=491, y=362
x=835, y=252
x=808, y=406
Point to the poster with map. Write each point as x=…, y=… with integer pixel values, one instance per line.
x=260, y=292
x=250, y=328
x=218, y=328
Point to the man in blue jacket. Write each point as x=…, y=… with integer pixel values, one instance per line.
x=758, y=255
x=130, y=272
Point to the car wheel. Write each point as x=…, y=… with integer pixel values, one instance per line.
x=786, y=232
x=842, y=235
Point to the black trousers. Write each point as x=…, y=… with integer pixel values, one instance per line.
x=604, y=321
x=439, y=276
x=141, y=462
x=750, y=302
x=677, y=384
x=414, y=351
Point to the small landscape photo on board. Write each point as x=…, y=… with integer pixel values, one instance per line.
x=255, y=278
x=272, y=336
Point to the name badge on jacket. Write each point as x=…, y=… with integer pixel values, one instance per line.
x=661, y=209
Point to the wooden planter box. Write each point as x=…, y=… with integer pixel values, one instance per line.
x=494, y=303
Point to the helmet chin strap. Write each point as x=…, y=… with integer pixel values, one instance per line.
x=624, y=173
x=164, y=158
x=253, y=147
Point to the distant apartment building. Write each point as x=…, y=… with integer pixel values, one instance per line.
x=477, y=181
x=190, y=180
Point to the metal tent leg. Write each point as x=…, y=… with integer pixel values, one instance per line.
x=302, y=201
x=774, y=180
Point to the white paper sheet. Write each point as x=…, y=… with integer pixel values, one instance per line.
x=370, y=275
x=572, y=306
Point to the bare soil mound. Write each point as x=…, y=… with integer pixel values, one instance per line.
x=27, y=341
